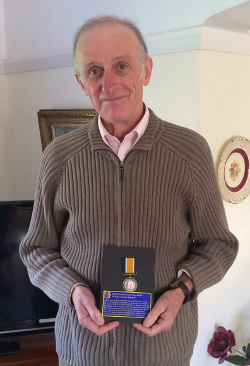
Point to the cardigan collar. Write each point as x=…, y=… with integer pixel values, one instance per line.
x=146, y=142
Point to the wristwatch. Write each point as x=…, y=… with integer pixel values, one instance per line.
x=184, y=288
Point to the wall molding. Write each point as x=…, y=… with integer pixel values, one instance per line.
x=221, y=40
x=194, y=38
x=175, y=41
x=161, y=43
x=11, y=66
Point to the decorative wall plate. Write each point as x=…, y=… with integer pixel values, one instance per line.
x=233, y=172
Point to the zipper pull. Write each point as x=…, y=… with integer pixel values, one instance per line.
x=121, y=169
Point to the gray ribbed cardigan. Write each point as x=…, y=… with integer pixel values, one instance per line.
x=167, y=199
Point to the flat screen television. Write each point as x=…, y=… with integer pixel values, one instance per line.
x=23, y=307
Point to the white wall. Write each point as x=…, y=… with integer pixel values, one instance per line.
x=206, y=91
x=210, y=92
x=2, y=33
x=223, y=112
x=5, y=192
x=5, y=186
x=224, y=106
x=173, y=89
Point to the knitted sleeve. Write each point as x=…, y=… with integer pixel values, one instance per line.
x=40, y=249
x=213, y=247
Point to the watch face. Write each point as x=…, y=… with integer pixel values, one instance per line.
x=129, y=284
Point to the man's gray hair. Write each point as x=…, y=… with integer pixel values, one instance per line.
x=108, y=20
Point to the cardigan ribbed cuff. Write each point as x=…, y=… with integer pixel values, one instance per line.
x=71, y=293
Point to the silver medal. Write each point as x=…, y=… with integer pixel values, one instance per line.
x=130, y=284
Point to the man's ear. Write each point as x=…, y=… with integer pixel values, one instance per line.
x=81, y=84
x=147, y=71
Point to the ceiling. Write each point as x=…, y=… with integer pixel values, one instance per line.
x=37, y=34
x=235, y=19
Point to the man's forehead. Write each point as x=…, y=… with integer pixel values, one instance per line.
x=97, y=47
x=109, y=33
x=124, y=57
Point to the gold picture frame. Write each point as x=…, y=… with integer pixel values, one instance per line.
x=56, y=122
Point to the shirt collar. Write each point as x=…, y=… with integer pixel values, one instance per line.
x=140, y=128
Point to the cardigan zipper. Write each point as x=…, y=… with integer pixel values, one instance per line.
x=120, y=189
x=121, y=172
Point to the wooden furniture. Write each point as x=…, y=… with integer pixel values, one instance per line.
x=35, y=350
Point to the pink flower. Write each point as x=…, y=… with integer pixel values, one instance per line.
x=222, y=342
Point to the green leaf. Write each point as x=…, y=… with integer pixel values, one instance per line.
x=237, y=360
x=248, y=351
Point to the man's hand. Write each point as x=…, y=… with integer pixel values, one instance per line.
x=163, y=314
x=88, y=314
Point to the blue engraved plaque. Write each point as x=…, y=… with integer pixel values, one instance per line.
x=126, y=304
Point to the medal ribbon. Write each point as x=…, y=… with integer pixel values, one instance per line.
x=129, y=265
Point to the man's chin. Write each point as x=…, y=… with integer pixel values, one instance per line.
x=112, y=120
x=113, y=116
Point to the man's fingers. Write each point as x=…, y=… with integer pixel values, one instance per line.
x=160, y=309
x=152, y=317
x=88, y=315
x=95, y=315
x=100, y=330
x=163, y=314
x=85, y=306
x=151, y=332
x=107, y=327
x=162, y=323
x=96, y=325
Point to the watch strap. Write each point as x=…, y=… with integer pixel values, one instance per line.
x=184, y=288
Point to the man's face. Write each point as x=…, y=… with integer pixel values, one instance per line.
x=112, y=72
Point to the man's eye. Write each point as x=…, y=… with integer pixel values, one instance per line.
x=122, y=67
x=94, y=71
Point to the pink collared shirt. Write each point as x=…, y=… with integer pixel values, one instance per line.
x=122, y=148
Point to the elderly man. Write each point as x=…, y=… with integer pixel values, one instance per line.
x=128, y=179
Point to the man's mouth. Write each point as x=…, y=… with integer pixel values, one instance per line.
x=111, y=99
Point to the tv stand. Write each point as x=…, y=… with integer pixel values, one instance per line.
x=35, y=350
x=9, y=348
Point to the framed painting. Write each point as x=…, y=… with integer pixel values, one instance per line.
x=56, y=122
x=233, y=172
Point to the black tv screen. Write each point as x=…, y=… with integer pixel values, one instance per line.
x=23, y=307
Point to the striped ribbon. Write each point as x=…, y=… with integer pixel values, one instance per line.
x=129, y=265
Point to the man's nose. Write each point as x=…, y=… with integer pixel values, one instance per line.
x=109, y=81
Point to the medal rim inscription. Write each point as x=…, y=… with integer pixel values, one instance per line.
x=129, y=279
